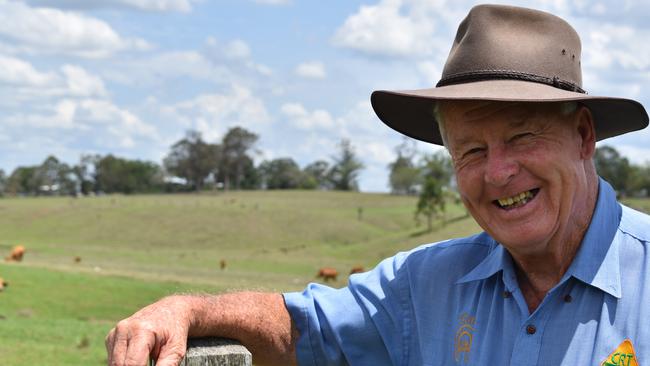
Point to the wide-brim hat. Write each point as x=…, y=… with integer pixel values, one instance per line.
x=506, y=53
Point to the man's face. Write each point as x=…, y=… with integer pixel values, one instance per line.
x=521, y=169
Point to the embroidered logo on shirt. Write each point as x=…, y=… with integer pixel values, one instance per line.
x=464, y=335
x=623, y=355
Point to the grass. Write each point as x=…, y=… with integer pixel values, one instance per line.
x=135, y=249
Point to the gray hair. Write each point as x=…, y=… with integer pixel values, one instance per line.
x=566, y=108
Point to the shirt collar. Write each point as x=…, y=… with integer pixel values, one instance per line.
x=596, y=262
x=497, y=260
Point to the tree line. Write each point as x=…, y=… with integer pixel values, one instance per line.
x=192, y=164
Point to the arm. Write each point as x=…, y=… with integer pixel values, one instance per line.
x=259, y=321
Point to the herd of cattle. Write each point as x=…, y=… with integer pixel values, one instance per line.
x=326, y=273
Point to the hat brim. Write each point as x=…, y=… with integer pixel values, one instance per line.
x=410, y=112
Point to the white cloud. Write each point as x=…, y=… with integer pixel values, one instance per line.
x=45, y=30
x=384, y=30
x=212, y=114
x=109, y=123
x=146, y=5
x=237, y=50
x=170, y=65
x=22, y=81
x=620, y=46
x=81, y=83
x=302, y=119
x=17, y=72
x=61, y=116
x=430, y=71
x=311, y=70
x=235, y=54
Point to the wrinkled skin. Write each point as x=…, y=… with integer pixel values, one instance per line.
x=259, y=321
x=160, y=329
x=500, y=150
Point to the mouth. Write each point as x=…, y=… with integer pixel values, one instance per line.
x=518, y=200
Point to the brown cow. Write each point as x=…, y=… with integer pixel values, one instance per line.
x=357, y=269
x=77, y=259
x=3, y=284
x=222, y=264
x=327, y=273
x=16, y=254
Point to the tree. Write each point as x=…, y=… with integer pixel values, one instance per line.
x=84, y=173
x=53, y=177
x=438, y=166
x=250, y=177
x=113, y=174
x=345, y=169
x=3, y=182
x=404, y=175
x=234, y=156
x=193, y=159
x=614, y=168
x=431, y=201
x=638, y=182
x=20, y=181
x=437, y=172
x=315, y=175
x=281, y=173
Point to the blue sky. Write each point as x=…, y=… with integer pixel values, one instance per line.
x=129, y=77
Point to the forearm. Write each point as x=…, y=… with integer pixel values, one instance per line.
x=259, y=321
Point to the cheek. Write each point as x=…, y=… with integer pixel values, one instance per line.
x=469, y=183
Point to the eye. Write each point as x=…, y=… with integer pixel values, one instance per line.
x=520, y=136
x=473, y=151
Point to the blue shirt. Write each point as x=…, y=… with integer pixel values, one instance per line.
x=458, y=303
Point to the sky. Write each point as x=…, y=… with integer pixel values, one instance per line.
x=131, y=77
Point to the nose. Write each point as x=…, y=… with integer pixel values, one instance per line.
x=500, y=167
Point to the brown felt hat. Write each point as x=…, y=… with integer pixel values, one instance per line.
x=506, y=53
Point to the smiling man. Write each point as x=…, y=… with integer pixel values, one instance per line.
x=558, y=277
x=525, y=173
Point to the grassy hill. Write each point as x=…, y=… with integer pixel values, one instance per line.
x=135, y=249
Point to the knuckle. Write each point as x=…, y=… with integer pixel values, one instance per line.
x=109, y=337
x=123, y=325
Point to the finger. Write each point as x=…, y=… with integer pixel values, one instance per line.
x=139, y=347
x=108, y=343
x=120, y=343
x=172, y=353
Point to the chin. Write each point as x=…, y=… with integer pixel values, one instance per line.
x=522, y=241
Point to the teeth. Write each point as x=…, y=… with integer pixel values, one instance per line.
x=522, y=198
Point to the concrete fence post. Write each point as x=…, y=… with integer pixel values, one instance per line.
x=215, y=352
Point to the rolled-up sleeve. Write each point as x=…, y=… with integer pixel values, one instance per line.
x=365, y=323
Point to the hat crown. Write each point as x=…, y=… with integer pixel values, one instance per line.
x=506, y=42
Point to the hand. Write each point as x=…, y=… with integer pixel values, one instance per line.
x=159, y=330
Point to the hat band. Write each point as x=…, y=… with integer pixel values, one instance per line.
x=482, y=75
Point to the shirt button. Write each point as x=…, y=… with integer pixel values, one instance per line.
x=507, y=294
x=531, y=329
x=568, y=298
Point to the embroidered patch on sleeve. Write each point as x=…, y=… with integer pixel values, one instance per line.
x=623, y=355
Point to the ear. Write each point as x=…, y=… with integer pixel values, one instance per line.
x=586, y=132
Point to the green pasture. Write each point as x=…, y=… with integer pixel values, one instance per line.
x=135, y=249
